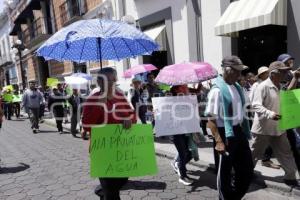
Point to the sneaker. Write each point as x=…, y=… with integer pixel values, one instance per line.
x=270, y=164
x=174, y=165
x=34, y=130
x=186, y=181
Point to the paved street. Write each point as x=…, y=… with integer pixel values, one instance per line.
x=52, y=166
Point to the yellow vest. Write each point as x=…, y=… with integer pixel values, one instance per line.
x=8, y=97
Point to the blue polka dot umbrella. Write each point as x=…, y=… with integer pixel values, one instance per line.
x=97, y=40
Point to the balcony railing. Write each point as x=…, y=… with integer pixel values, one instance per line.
x=68, y=10
x=37, y=28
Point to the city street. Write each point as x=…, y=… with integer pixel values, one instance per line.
x=52, y=166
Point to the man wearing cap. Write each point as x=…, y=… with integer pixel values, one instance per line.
x=266, y=106
x=290, y=79
x=230, y=128
x=292, y=83
x=262, y=75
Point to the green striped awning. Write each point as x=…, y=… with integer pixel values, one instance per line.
x=246, y=14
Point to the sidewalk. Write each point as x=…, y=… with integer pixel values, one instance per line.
x=268, y=177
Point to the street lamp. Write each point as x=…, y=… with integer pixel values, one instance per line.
x=17, y=48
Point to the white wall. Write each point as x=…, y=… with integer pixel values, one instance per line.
x=141, y=8
x=6, y=43
x=212, y=44
x=211, y=11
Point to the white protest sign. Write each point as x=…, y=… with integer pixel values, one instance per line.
x=176, y=115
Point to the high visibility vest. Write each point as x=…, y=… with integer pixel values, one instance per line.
x=8, y=97
x=17, y=98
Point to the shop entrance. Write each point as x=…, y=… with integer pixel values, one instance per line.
x=158, y=58
x=261, y=46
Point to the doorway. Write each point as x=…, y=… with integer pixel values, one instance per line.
x=260, y=46
x=158, y=58
x=43, y=71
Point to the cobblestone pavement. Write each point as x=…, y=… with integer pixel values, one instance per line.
x=52, y=166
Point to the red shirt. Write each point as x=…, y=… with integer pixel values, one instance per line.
x=113, y=111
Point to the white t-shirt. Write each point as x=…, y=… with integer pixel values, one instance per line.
x=214, y=106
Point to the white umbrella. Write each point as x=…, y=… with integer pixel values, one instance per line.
x=76, y=82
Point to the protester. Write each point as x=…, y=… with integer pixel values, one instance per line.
x=137, y=101
x=42, y=105
x=7, y=103
x=292, y=82
x=231, y=131
x=32, y=99
x=1, y=113
x=181, y=143
x=250, y=80
x=63, y=93
x=201, y=92
x=151, y=90
x=75, y=101
x=56, y=106
x=265, y=126
x=245, y=86
x=17, y=98
x=152, y=87
x=115, y=110
x=262, y=75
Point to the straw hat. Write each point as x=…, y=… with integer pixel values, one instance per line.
x=262, y=70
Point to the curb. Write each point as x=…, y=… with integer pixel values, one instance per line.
x=279, y=188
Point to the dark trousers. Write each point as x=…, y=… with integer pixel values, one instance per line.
x=34, y=117
x=203, y=126
x=59, y=115
x=74, y=122
x=292, y=140
x=185, y=155
x=42, y=110
x=111, y=187
x=268, y=154
x=17, y=109
x=7, y=107
x=59, y=124
x=240, y=160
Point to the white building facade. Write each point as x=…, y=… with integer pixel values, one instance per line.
x=8, y=68
x=184, y=29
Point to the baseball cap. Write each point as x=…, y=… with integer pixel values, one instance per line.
x=285, y=57
x=233, y=62
x=278, y=65
x=262, y=70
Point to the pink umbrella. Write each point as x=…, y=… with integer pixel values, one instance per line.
x=138, y=69
x=185, y=73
